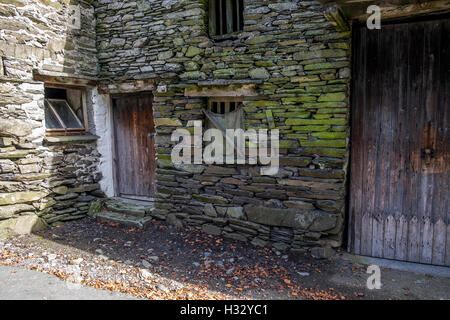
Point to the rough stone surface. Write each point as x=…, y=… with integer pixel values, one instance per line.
x=21, y=225
x=43, y=179
x=298, y=66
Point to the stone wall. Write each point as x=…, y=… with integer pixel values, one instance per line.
x=40, y=178
x=298, y=65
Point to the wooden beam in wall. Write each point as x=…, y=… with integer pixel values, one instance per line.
x=334, y=14
x=63, y=79
x=390, y=9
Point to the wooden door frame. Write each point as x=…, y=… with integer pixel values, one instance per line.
x=112, y=98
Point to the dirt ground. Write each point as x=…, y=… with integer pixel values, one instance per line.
x=162, y=262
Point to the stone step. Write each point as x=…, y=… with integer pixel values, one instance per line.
x=130, y=207
x=125, y=219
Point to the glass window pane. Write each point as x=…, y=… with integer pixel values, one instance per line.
x=51, y=121
x=66, y=114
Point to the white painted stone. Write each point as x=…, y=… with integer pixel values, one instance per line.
x=102, y=120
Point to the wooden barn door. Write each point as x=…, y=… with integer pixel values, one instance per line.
x=134, y=132
x=400, y=156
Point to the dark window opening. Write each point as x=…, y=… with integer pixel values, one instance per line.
x=55, y=93
x=64, y=111
x=226, y=17
x=223, y=106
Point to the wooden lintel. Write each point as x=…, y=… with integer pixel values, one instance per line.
x=390, y=9
x=393, y=11
x=134, y=86
x=63, y=79
x=233, y=90
x=335, y=15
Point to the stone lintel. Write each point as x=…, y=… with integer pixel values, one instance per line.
x=230, y=90
x=71, y=139
x=134, y=86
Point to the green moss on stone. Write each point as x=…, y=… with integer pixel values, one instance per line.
x=332, y=121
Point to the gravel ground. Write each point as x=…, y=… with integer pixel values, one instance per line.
x=162, y=262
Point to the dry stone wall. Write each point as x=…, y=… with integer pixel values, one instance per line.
x=299, y=67
x=42, y=180
x=294, y=61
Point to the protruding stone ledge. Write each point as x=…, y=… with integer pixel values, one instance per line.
x=71, y=139
x=222, y=90
x=127, y=86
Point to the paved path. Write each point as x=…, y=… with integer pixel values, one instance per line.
x=16, y=283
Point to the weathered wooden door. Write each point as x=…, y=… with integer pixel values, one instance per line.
x=400, y=155
x=134, y=140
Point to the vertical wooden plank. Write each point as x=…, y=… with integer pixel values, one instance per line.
x=390, y=237
x=417, y=198
x=377, y=234
x=229, y=15
x=141, y=155
x=150, y=161
x=441, y=209
x=400, y=139
x=153, y=149
x=371, y=121
x=238, y=10
x=241, y=14
x=414, y=245
x=447, y=246
x=366, y=234
x=427, y=241
x=212, y=18
x=444, y=144
x=439, y=240
x=221, y=18
x=357, y=145
x=401, y=238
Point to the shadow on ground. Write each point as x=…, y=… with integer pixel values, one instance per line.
x=162, y=262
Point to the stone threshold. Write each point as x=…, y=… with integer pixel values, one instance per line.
x=124, y=211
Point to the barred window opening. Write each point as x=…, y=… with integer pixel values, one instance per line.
x=226, y=17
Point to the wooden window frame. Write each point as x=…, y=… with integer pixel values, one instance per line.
x=234, y=19
x=84, y=122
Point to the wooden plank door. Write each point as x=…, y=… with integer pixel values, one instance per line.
x=135, y=151
x=400, y=154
